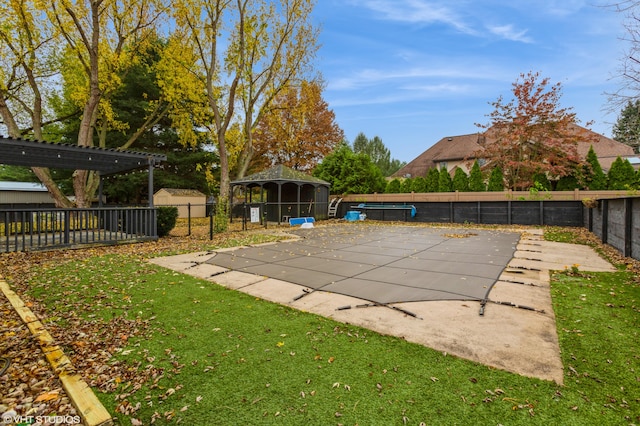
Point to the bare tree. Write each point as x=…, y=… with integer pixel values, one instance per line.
x=628, y=72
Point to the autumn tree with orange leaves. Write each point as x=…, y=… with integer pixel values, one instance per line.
x=532, y=134
x=298, y=131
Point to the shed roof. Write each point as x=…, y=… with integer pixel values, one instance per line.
x=22, y=152
x=178, y=192
x=280, y=173
x=22, y=186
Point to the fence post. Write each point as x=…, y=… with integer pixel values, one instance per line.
x=67, y=218
x=189, y=219
x=541, y=212
x=605, y=220
x=628, y=226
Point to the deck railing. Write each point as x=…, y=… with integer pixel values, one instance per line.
x=51, y=228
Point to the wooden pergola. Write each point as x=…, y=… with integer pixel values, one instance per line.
x=23, y=152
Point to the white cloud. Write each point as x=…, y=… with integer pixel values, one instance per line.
x=417, y=12
x=458, y=16
x=508, y=32
x=417, y=74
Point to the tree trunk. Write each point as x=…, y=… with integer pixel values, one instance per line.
x=247, y=150
x=59, y=198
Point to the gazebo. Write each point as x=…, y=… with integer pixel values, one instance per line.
x=285, y=193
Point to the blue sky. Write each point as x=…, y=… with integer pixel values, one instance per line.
x=415, y=71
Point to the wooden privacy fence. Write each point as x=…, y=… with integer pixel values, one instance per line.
x=413, y=197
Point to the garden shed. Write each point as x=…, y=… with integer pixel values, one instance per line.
x=20, y=194
x=184, y=200
x=283, y=193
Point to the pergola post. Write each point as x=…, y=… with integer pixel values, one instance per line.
x=150, y=182
x=100, y=186
x=279, y=202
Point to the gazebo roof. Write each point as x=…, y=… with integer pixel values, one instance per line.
x=22, y=152
x=280, y=173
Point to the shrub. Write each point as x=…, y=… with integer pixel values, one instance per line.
x=567, y=183
x=476, y=182
x=445, y=184
x=167, y=217
x=393, y=187
x=433, y=176
x=419, y=184
x=496, y=180
x=460, y=180
x=406, y=185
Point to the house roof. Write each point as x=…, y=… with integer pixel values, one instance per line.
x=450, y=148
x=22, y=152
x=177, y=192
x=459, y=148
x=279, y=173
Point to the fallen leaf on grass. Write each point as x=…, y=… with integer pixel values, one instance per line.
x=48, y=396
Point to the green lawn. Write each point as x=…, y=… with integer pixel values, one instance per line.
x=217, y=356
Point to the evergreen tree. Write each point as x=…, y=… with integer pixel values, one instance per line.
x=476, y=182
x=541, y=182
x=433, y=176
x=419, y=184
x=621, y=175
x=378, y=153
x=350, y=173
x=139, y=90
x=496, y=180
x=444, y=181
x=17, y=174
x=627, y=128
x=567, y=183
x=393, y=187
x=406, y=186
x=361, y=143
x=460, y=180
x=593, y=176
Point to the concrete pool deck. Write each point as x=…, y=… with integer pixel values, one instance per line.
x=510, y=273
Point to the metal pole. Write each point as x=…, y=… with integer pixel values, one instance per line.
x=211, y=224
